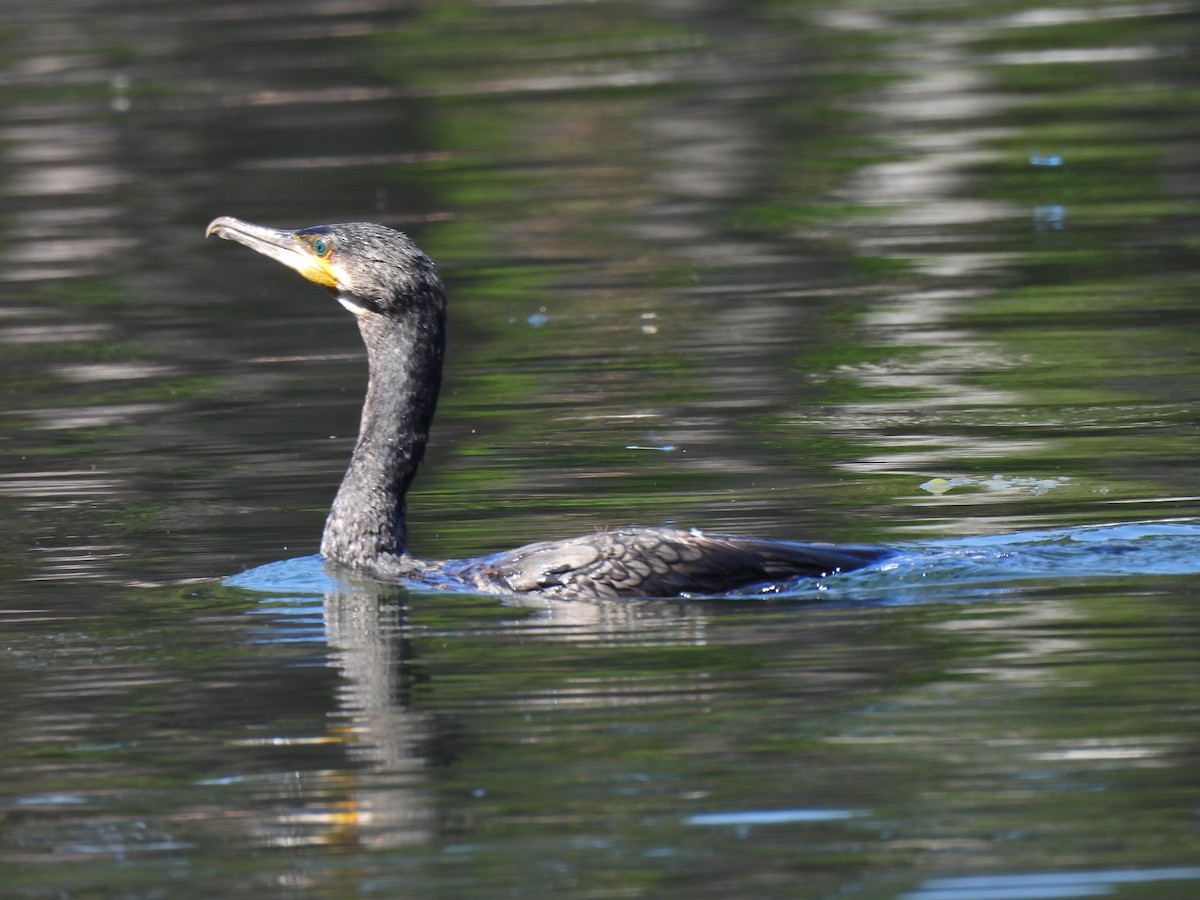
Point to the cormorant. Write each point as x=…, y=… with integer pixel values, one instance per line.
x=397, y=298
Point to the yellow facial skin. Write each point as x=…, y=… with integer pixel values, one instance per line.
x=318, y=270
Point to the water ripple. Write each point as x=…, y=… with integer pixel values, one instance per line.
x=918, y=572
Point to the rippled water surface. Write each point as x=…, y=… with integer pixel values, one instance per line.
x=921, y=274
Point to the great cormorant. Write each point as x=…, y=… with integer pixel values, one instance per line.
x=394, y=291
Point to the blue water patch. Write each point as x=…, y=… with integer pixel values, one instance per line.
x=989, y=566
x=1140, y=548
x=1044, y=884
x=303, y=575
x=51, y=800
x=772, y=816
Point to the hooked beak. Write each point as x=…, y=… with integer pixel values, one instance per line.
x=282, y=245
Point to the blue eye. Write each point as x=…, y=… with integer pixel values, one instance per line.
x=321, y=247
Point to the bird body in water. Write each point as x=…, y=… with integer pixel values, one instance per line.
x=397, y=298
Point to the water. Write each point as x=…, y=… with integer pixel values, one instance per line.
x=964, y=566
x=913, y=274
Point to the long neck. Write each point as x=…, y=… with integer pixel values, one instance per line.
x=366, y=527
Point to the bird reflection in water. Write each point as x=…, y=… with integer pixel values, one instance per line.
x=396, y=732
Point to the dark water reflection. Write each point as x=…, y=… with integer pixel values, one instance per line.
x=372, y=742
x=918, y=274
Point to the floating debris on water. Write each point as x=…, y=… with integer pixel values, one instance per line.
x=1018, y=483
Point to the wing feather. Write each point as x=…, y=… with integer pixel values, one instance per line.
x=662, y=562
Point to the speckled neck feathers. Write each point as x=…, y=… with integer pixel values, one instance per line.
x=403, y=329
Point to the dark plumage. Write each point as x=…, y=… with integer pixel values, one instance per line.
x=398, y=300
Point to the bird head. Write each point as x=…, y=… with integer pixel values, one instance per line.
x=371, y=269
